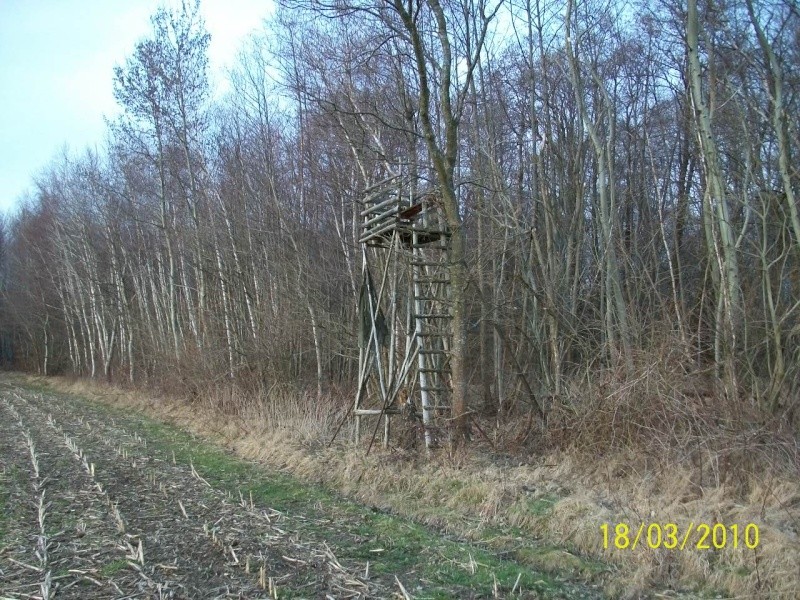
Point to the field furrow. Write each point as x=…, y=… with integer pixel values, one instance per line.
x=180, y=535
x=66, y=543
x=20, y=571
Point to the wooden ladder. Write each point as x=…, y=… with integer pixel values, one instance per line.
x=432, y=328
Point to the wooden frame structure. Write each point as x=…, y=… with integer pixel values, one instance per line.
x=405, y=320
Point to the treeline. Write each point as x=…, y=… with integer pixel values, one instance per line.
x=621, y=181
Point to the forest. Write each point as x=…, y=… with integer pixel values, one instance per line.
x=620, y=182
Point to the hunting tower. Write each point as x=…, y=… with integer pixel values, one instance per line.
x=405, y=322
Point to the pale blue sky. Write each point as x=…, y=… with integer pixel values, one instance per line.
x=56, y=65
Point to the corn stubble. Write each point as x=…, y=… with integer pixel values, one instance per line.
x=218, y=543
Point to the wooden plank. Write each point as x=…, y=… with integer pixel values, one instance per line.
x=376, y=207
x=376, y=233
x=379, y=184
x=392, y=211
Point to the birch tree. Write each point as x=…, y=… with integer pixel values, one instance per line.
x=717, y=216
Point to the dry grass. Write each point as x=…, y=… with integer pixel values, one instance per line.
x=563, y=496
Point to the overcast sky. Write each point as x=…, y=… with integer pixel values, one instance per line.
x=56, y=69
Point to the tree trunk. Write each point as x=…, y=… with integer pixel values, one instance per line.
x=724, y=258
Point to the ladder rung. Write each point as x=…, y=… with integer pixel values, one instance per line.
x=368, y=412
x=429, y=231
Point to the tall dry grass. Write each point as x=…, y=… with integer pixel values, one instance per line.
x=672, y=416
